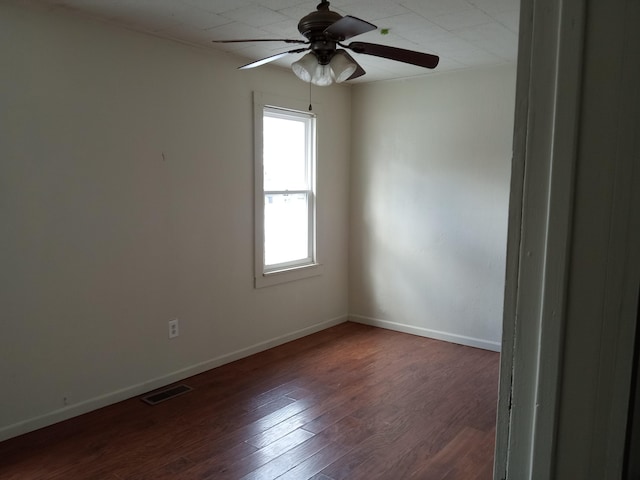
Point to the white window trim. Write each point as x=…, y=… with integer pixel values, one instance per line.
x=296, y=272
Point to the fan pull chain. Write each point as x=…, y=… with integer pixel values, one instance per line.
x=310, y=108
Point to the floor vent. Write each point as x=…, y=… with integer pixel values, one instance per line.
x=162, y=395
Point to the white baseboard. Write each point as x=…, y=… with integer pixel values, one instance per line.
x=426, y=332
x=71, y=411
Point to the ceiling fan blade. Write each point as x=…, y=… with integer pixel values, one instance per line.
x=251, y=40
x=272, y=58
x=393, y=53
x=359, y=70
x=348, y=27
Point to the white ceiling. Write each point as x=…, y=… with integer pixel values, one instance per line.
x=464, y=33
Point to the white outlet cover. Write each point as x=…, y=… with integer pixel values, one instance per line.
x=174, y=328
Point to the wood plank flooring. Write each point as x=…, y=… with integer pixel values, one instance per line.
x=351, y=402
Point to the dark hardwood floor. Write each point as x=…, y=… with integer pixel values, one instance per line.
x=351, y=402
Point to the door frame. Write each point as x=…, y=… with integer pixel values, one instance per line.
x=542, y=274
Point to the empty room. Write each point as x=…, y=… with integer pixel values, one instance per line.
x=137, y=254
x=333, y=314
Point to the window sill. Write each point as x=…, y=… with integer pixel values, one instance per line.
x=288, y=275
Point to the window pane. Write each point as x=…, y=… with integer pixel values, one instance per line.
x=286, y=228
x=285, y=154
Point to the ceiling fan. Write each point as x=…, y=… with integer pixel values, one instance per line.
x=325, y=63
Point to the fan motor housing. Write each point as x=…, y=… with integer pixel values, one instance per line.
x=313, y=25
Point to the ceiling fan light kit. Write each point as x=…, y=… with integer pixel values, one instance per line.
x=309, y=69
x=326, y=63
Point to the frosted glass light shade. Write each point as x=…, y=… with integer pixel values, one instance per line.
x=308, y=69
x=322, y=76
x=341, y=67
x=305, y=67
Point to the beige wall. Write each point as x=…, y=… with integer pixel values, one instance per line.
x=429, y=200
x=126, y=197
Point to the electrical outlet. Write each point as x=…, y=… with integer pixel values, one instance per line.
x=174, y=328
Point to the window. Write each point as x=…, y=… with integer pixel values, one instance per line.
x=285, y=194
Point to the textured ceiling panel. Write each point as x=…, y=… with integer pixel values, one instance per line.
x=464, y=33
